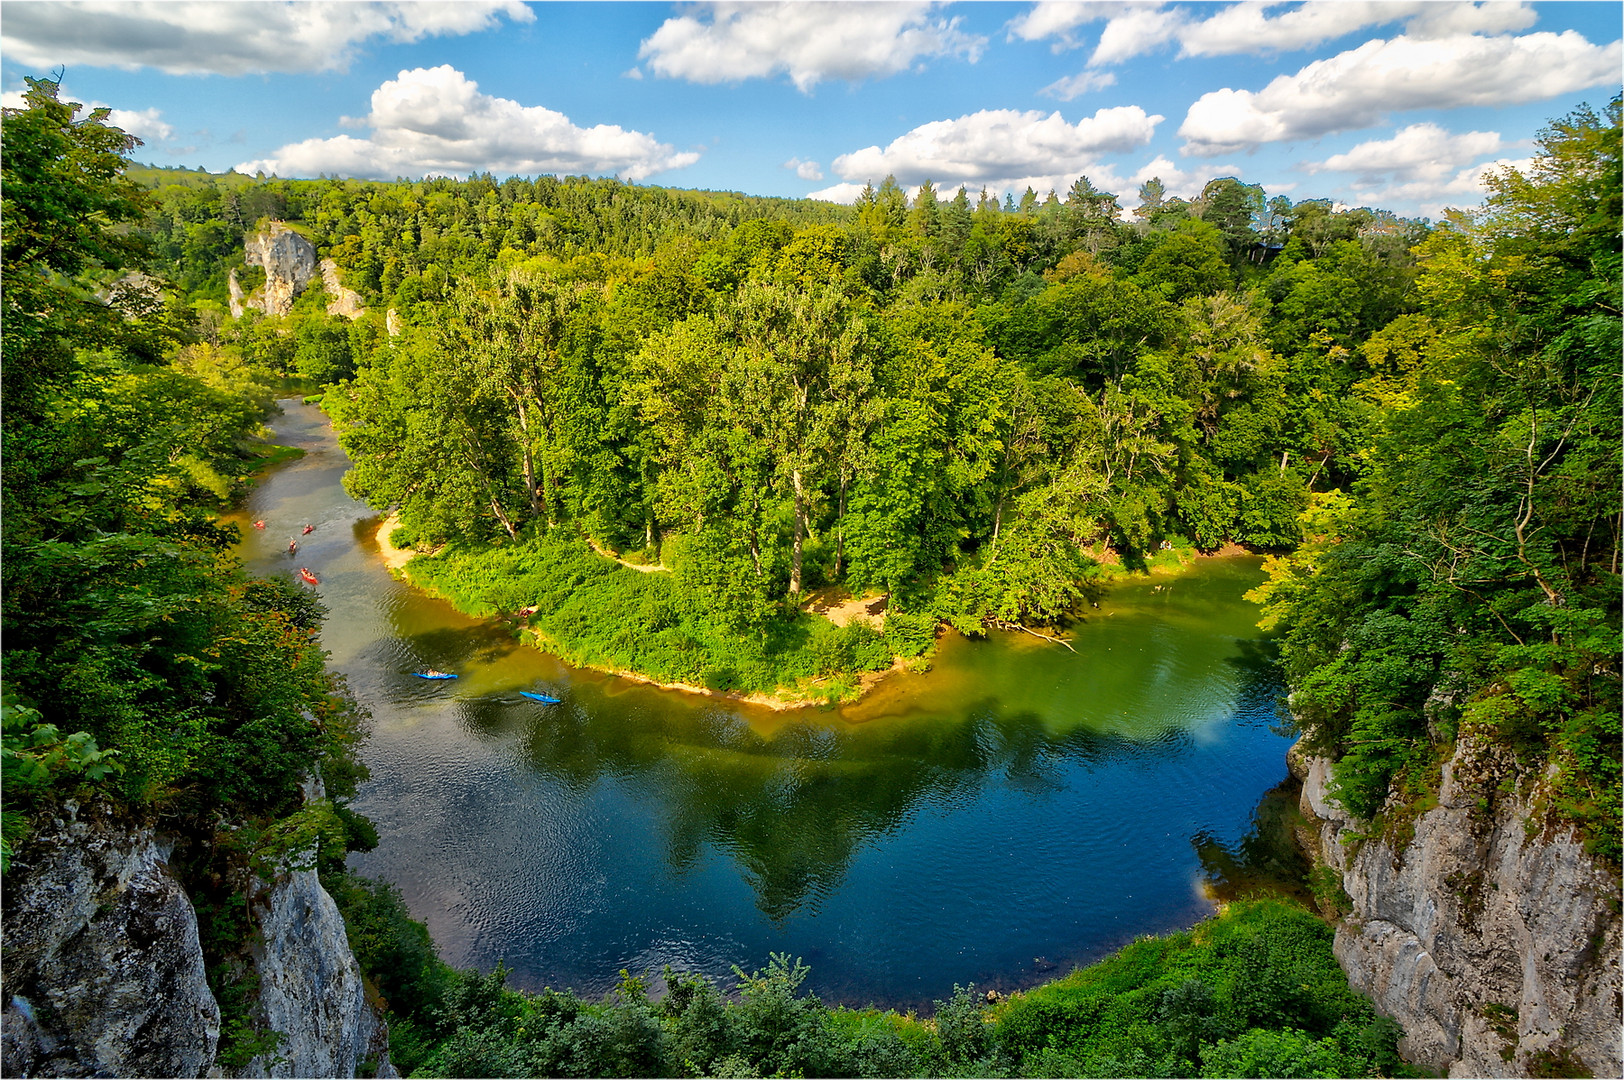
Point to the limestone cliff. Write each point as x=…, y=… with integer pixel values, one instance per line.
x=345, y=302
x=1488, y=934
x=104, y=974
x=290, y=264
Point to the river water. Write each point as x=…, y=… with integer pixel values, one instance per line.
x=1016, y=811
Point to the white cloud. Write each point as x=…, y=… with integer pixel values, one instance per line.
x=1356, y=89
x=1001, y=149
x=1132, y=29
x=806, y=170
x=1182, y=183
x=1136, y=30
x=203, y=37
x=1418, y=152
x=1058, y=18
x=1075, y=86
x=434, y=121
x=1445, y=20
x=1431, y=196
x=809, y=42
x=1250, y=28
x=145, y=124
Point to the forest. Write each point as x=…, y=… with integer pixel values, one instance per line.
x=979, y=408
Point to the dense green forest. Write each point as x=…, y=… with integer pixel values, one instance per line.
x=977, y=408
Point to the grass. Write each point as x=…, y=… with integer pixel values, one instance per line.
x=593, y=612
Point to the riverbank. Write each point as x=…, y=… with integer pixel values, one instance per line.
x=582, y=605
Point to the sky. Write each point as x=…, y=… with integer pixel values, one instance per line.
x=1396, y=105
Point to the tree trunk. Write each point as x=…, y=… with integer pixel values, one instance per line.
x=800, y=534
x=531, y=488
x=840, y=529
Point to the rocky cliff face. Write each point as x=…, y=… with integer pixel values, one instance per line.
x=1490, y=936
x=345, y=302
x=104, y=974
x=290, y=264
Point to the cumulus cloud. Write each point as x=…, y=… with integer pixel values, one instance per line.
x=1422, y=166
x=809, y=42
x=1132, y=29
x=147, y=125
x=1001, y=149
x=207, y=37
x=1419, y=152
x=806, y=170
x=1432, y=195
x=1106, y=176
x=1058, y=18
x=1356, y=89
x=435, y=122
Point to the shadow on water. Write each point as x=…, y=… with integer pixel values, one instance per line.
x=1268, y=861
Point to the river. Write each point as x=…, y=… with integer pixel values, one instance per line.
x=1016, y=811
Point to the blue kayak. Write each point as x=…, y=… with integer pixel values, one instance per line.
x=543, y=698
x=436, y=675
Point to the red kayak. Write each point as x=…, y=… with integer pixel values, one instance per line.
x=259, y=524
x=308, y=576
x=308, y=529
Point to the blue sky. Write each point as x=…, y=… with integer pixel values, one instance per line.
x=1400, y=105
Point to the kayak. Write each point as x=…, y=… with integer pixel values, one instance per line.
x=308, y=576
x=433, y=675
x=543, y=698
x=308, y=529
x=259, y=524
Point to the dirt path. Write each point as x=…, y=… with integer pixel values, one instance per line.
x=641, y=569
x=840, y=607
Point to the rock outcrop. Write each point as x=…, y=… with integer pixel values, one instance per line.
x=104, y=973
x=1489, y=934
x=290, y=264
x=310, y=986
x=345, y=302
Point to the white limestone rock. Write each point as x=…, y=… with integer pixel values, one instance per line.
x=103, y=971
x=290, y=265
x=1490, y=935
x=345, y=302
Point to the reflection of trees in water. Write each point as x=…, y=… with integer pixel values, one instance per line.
x=795, y=808
x=1268, y=861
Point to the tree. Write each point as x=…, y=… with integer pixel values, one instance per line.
x=64, y=198
x=801, y=362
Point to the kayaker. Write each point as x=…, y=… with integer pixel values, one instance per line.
x=293, y=547
x=260, y=524
x=308, y=529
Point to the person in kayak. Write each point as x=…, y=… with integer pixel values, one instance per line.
x=293, y=547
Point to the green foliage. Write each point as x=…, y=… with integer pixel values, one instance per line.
x=1472, y=590
x=1252, y=992
x=1256, y=988
x=598, y=614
